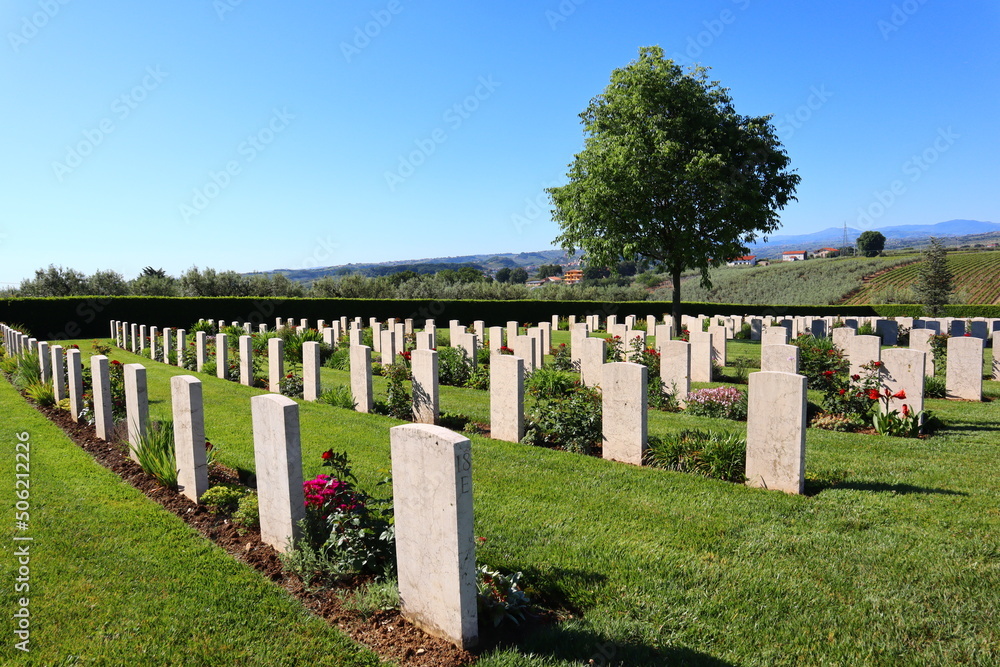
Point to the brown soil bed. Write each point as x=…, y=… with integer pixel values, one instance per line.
x=385, y=632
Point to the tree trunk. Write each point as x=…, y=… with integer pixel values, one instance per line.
x=675, y=277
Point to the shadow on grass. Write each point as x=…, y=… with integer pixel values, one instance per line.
x=569, y=641
x=814, y=487
x=581, y=646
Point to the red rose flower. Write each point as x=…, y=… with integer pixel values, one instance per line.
x=873, y=394
x=327, y=455
x=842, y=392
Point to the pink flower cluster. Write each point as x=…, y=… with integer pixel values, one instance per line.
x=724, y=396
x=327, y=493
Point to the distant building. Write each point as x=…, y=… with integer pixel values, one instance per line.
x=827, y=252
x=572, y=277
x=746, y=260
x=794, y=255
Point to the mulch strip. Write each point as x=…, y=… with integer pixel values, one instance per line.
x=385, y=632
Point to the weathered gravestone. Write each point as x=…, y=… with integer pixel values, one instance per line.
x=435, y=539
x=425, y=386
x=776, y=432
x=624, y=411
x=506, y=397
x=189, y=436
x=277, y=448
x=964, y=371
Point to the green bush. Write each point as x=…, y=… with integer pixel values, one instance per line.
x=454, y=368
x=224, y=499
x=399, y=401
x=339, y=396
x=27, y=371
x=720, y=402
x=42, y=393
x=718, y=455
x=155, y=452
x=546, y=382
x=571, y=421
x=247, y=514
x=339, y=359
x=935, y=387
x=819, y=360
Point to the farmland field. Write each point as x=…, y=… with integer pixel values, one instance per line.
x=976, y=280
x=813, y=282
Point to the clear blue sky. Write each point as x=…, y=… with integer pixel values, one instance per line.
x=121, y=119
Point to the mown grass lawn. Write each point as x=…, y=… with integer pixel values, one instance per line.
x=115, y=579
x=893, y=556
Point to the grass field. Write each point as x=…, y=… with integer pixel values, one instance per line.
x=892, y=557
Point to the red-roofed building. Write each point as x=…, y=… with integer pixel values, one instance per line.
x=827, y=252
x=794, y=255
x=746, y=260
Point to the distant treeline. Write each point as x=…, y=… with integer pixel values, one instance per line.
x=467, y=282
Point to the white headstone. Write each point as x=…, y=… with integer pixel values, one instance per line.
x=277, y=449
x=506, y=397
x=776, y=432
x=435, y=539
x=189, y=436
x=624, y=411
x=424, y=364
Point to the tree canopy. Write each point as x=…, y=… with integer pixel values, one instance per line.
x=871, y=243
x=670, y=172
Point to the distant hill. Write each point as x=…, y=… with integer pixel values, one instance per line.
x=951, y=232
x=898, y=236
x=490, y=263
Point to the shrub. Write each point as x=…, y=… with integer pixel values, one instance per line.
x=744, y=333
x=571, y=421
x=100, y=347
x=819, y=359
x=26, y=371
x=340, y=359
x=832, y=422
x=718, y=455
x=939, y=347
x=724, y=402
x=614, y=351
x=42, y=393
x=546, y=382
x=562, y=358
x=247, y=514
x=480, y=378
x=224, y=499
x=399, y=400
x=499, y=597
x=345, y=530
x=155, y=452
x=291, y=385
x=454, y=369
x=203, y=325
x=935, y=387
x=339, y=396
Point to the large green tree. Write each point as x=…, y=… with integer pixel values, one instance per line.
x=871, y=243
x=671, y=172
x=935, y=282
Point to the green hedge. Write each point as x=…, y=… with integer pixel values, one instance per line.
x=89, y=317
